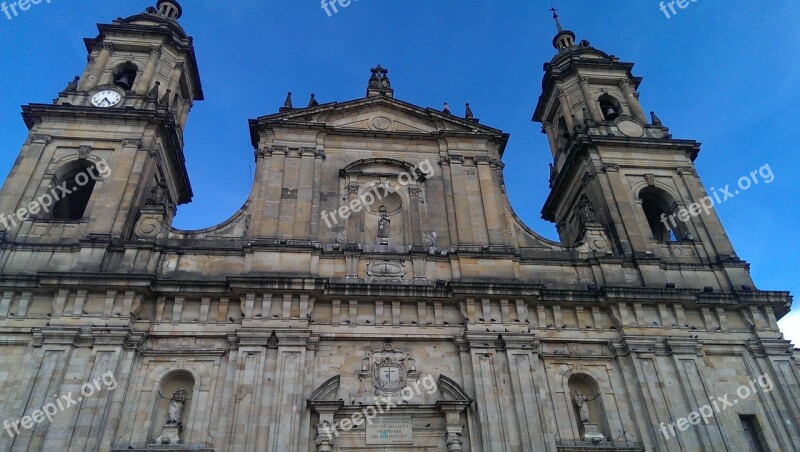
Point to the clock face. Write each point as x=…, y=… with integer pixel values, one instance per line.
x=106, y=98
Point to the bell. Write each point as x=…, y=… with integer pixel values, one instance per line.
x=123, y=81
x=611, y=113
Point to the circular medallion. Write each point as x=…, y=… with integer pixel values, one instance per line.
x=381, y=123
x=630, y=128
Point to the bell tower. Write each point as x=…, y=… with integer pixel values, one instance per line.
x=109, y=149
x=615, y=169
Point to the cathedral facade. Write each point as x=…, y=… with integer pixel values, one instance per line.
x=376, y=291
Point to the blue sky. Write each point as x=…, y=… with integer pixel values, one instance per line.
x=723, y=73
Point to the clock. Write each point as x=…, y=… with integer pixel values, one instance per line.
x=106, y=98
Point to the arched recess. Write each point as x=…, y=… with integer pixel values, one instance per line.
x=660, y=211
x=586, y=385
x=124, y=75
x=195, y=423
x=71, y=189
x=368, y=184
x=610, y=107
x=168, y=387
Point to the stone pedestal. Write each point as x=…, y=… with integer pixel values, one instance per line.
x=170, y=435
x=591, y=434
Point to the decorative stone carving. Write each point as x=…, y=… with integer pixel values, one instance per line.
x=379, y=78
x=385, y=374
x=83, y=152
x=386, y=269
x=381, y=123
x=158, y=194
x=150, y=223
x=384, y=223
x=429, y=240
x=586, y=209
x=324, y=437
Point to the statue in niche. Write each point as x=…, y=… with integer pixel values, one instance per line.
x=586, y=208
x=384, y=223
x=175, y=411
x=582, y=402
x=158, y=194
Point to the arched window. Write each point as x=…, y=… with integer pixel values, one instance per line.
x=125, y=75
x=609, y=107
x=73, y=187
x=660, y=211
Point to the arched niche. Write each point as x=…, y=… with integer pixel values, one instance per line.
x=586, y=386
x=397, y=185
x=167, y=388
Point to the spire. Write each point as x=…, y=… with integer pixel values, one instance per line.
x=564, y=39
x=555, y=16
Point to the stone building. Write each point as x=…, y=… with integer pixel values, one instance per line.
x=375, y=271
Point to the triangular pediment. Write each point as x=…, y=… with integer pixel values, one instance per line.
x=379, y=114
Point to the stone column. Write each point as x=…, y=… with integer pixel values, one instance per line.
x=490, y=205
x=19, y=186
x=303, y=204
x=415, y=196
x=319, y=156
x=272, y=181
x=588, y=99
x=566, y=111
x=352, y=228
x=146, y=79
x=633, y=101
x=447, y=180
x=454, y=429
x=287, y=399
x=99, y=66
x=463, y=221
x=174, y=80
x=110, y=213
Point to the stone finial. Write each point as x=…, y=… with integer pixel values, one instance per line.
x=654, y=119
x=313, y=101
x=446, y=109
x=469, y=114
x=164, y=101
x=152, y=95
x=73, y=85
x=287, y=104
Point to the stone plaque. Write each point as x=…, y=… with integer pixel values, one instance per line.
x=390, y=430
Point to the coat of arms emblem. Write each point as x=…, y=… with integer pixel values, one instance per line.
x=385, y=373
